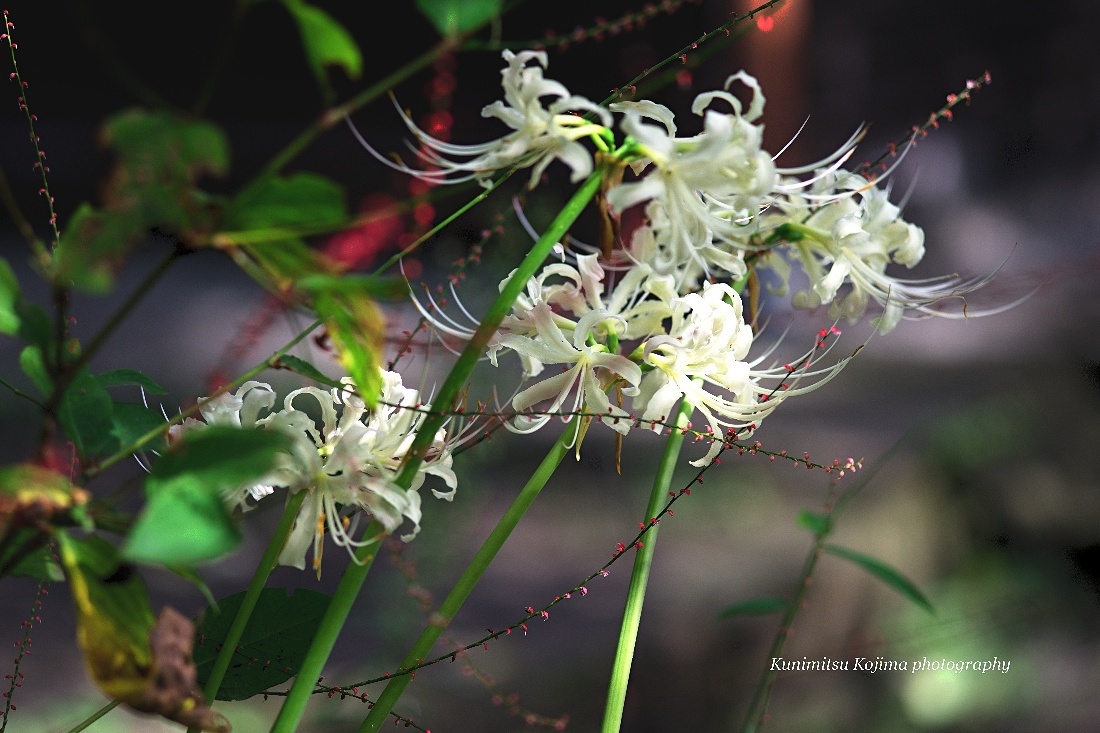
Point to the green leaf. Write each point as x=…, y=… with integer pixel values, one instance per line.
x=131, y=421
x=299, y=200
x=384, y=288
x=94, y=245
x=273, y=645
x=9, y=297
x=127, y=377
x=186, y=521
x=159, y=145
x=452, y=17
x=885, y=573
x=39, y=564
x=357, y=329
x=755, y=606
x=819, y=524
x=303, y=367
x=85, y=414
x=33, y=362
x=326, y=42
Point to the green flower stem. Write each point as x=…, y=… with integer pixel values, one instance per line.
x=290, y=715
x=352, y=581
x=252, y=595
x=643, y=561
x=465, y=584
x=474, y=350
x=82, y=725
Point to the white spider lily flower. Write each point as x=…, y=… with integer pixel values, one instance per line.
x=707, y=347
x=349, y=464
x=594, y=371
x=851, y=241
x=541, y=134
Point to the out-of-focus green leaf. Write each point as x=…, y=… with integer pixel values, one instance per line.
x=9, y=297
x=33, y=362
x=298, y=200
x=186, y=521
x=326, y=42
x=818, y=523
x=357, y=329
x=132, y=657
x=451, y=17
x=93, y=246
x=303, y=367
x=131, y=421
x=159, y=145
x=381, y=288
x=273, y=645
x=755, y=606
x=885, y=573
x=85, y=415
x=128, y=377
x=39, y=563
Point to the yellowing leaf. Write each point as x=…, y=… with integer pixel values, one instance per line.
x=141, y=661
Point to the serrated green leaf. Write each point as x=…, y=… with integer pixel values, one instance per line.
x=819, y=524
x=885, y=573
x=755, y=606
x=129, y=377
x=9, y=297
x=303, y=367
x=85, y=415
x=299, y=200
x=452, y=17
x=186, y=521
x=326, y=42
x=357, y=329
x=273, y=645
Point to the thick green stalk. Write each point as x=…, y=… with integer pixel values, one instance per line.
x=353, y=578
x=475, y=349
x=325, y=639
x=252, y=595
x=639, y=579
x=465, y=584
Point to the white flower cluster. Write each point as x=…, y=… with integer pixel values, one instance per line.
x=347, y=463
x=640, y=340
x=711, y=200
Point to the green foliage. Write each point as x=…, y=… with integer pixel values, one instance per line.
x=326, y=42
x=85, y=414
x=357, y=329
x=129, y=377
x=185, y=521
x=273, y=644
x=9, y=297
x=755, y=606
x=885, y=573
x=819, y=524
x=303, y=367
x=160, y=155
x=298, y=200
x=32, y=359
x=38, y=563
x=452, y=17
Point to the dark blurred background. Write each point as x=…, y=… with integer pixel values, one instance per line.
x=991, y=505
